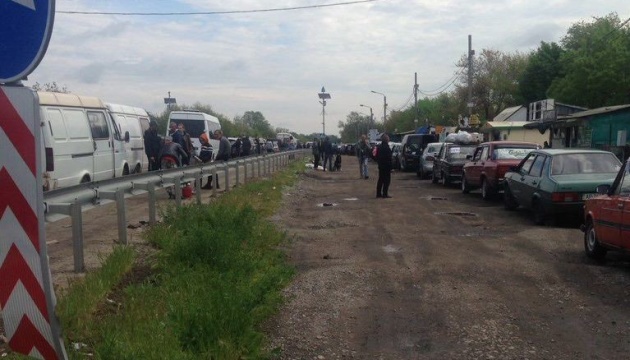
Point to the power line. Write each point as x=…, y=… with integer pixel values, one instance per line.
x=213, y=12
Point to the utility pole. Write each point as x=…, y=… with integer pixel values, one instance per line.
x=471, y=52
x=415, y=95
x=323, y=96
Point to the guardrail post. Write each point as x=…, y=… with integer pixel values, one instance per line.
x=77, y=237
x=198, y=179
x=214, y=178
x=227, y=177
x=237, y=174
x=178, y=191
x=119, y=197
x=245, y=171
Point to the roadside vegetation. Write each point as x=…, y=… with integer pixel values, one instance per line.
x=216, y=276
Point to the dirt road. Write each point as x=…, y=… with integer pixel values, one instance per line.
x=435, y=274
x=428, y=274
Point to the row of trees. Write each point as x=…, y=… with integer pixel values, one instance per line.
x=588, y=68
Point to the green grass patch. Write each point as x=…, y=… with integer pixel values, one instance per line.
x=217, y=276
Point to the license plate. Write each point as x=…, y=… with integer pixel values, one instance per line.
x=588, y=196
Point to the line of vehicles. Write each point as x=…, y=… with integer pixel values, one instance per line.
x=86, y=139
x=587, y=184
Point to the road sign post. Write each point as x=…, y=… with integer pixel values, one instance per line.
x=27, y=298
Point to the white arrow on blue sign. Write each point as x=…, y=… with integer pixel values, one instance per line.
x=25, y=30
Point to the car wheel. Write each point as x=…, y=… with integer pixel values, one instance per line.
x=486, y=192
x=465, y=188
x=509, y=202
x=434, y=179
x=540, y=217
x=591, y=245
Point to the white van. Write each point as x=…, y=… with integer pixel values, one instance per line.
x=80, y=142
x=131, y=123
x=197, y=123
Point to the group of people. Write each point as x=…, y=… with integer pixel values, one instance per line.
x=324, y=151
x=381, y=153
x=176, y=149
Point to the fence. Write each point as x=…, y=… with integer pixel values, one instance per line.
x=73, y=201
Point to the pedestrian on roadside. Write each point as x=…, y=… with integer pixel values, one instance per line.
x=205, y=155
x=328, y=153
x=152, y=145
x=315, y=151
x=384, y=160
x=247, y=145
x=186, y=143
x=237, y=147
x=363, y=152
x=223, y=154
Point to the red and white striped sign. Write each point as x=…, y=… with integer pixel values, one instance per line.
x=27, y=299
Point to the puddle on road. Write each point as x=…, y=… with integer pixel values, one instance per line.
x=390, y=249
x=327, y=204
x=457, y=213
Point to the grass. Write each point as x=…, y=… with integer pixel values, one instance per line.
x=218, y=274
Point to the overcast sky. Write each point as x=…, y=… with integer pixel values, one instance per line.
x=277, y=62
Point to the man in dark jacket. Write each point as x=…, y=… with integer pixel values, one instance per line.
x=223, y=154
x=247, y=145
x=152, y=145
x=328, y=153
x=384, y=160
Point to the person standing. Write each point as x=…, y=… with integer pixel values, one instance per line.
x=363, y=151
x=205, y=155
x=186, y=143
x=328, y=153
x=171, y=156
x=315, y=151
x=384, y=160
x=152, y=145
x=247, y=145
x=223, y=154
x=237, y=147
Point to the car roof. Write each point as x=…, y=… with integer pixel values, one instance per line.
x=505, y=142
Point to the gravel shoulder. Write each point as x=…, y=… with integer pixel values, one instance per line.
x=435, y=274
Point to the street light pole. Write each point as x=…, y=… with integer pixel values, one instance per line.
x=371, y=115
x=323, y=97
x=384, y=106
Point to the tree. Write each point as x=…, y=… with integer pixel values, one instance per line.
x=355, y=126
x=50, y=87
x=543, y=67
x=495, y=81
x=256, y=124
x=595, y=64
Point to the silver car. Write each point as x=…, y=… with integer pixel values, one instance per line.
x=426, y=160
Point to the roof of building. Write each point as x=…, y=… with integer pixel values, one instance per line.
x=504, y=124
x=507, y=113
x=597, y=111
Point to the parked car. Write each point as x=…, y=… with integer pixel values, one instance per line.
x=557, y=181
x=486, y=168
x=607, y=217
x=412, y=147
x=448, y=164
x=425, y=169
x=396, y=148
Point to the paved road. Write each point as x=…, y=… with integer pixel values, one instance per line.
x=436, y=274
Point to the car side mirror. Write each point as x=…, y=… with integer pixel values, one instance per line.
x=603, y=189
x=127, y=136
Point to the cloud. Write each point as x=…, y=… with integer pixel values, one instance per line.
x=276, y=62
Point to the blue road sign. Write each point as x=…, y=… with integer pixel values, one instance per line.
x=25, y=29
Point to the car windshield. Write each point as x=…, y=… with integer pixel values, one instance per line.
x=414, y=143
x=511, y=152
x=459, y=152
x=587, y=163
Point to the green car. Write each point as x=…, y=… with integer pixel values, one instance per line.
x=557, y=181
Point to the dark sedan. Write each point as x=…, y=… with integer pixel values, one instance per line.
x=557, y=181
x=449, y=162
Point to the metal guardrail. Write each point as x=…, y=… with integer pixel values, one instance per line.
x=73, y=201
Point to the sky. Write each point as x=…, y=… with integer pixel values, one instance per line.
x=276, y=62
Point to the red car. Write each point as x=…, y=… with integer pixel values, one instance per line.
x=487, y=166
x=607, y=217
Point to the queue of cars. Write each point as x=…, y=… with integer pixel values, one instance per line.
x=592, y=185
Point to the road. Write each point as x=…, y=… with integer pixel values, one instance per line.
x=435, y=274
x=428, y=274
